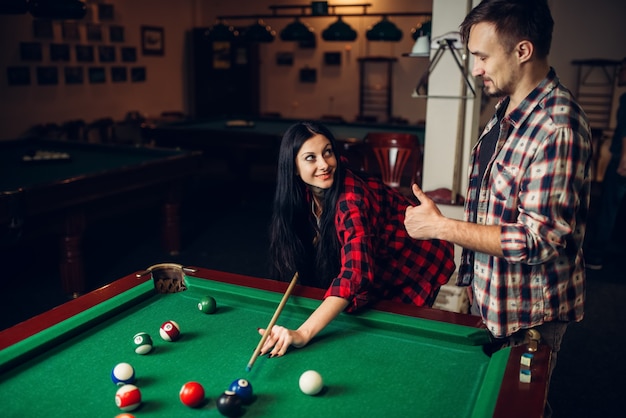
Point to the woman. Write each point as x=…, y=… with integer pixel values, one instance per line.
x=346, y=233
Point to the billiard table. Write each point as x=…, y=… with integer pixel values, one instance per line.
x=85, y=182
x=245, y=142
x=391, y=360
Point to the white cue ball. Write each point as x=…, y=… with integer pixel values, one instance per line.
x=311, y=382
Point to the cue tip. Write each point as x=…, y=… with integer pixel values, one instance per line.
x=248, y=368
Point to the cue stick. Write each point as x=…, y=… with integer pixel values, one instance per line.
x=268, y=330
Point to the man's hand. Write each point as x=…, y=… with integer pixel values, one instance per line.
x=423, y=221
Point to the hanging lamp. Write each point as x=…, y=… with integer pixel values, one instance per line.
x=339, y=31
x=259, y=32
x=297, y=31
x=385, y=30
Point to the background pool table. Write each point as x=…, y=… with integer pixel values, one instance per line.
x=256, y=141
x=394, y=360
x=64, y=196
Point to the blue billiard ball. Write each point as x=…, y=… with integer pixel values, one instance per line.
x=243, y=389
x=123, y=374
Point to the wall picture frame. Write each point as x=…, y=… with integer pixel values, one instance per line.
x=116, y=33
x=18, y=76
x=106, y=53
x=152, y=40
x=70, y=30
x=74, y=75
x=59, y=52
x=308, y=75
x=284, y=59
x=119, y=74
x=129, y=54
x=31, y=51
x=47, y=76
x=138, y=74
x=94, y=32
x=84, y=53
x=97, y=75
x=332, y=58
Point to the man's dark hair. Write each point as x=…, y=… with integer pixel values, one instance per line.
x=515, y=21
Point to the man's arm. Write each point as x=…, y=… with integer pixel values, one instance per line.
x=426, y=222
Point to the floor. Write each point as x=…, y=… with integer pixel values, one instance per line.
x=221, y=233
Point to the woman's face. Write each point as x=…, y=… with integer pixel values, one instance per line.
x=316, y=163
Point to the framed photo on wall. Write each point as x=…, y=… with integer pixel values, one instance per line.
x=97, y=75
x=94, y=32
x=152, y=40
x=129, y=54
x=59, y=52
x=116, y=33
x=118, y=74
x=106, y=53
x=31, y=51
x=138, y=74
x=84, y=53
x=284, y=58
x=47, y=76
x=70, y=31
x=74, y=75
x=18, y=76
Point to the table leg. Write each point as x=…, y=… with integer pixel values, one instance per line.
x=71, y=265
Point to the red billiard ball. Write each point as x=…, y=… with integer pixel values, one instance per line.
x=229, y=404
x=170, y=331
x=192, y=394
x=128, y=398
x=243, y=389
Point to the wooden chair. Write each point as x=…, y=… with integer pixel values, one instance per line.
x=396, y=157
x=100, y=131
x=74, y=130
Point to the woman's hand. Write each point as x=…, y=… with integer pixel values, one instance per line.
x=280, y=339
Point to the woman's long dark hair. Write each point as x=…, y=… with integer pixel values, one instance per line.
x=292, y=232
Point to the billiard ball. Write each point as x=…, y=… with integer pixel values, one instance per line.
x=229, y=404
x=122, y=374
x=170, y=331
x=192, y=394
x=128, y=398
x=142, y=343
x=207, y=305
x=125, y=415
x=243, y=389
x=311, y=382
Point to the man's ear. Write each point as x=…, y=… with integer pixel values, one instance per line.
x=524, y=50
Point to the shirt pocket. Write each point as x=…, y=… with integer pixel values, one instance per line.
x=504, y=181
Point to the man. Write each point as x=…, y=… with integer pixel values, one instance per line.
x=528, y=191
x=601, y=229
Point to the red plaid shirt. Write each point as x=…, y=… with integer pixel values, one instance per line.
x=378, y=258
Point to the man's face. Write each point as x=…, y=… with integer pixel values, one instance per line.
x=497, y=67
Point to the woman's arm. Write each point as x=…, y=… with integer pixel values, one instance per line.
x=281, y=338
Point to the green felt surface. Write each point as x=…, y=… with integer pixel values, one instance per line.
x=375, y=364
x=85, y=160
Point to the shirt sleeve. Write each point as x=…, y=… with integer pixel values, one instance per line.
x=356, y=237
x=548, y=199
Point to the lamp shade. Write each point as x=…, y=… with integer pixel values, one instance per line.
x=222, y=32
x=259, y=32
x=297, y=31
x=339, y=31
x=422, y=29
x=384, y=31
